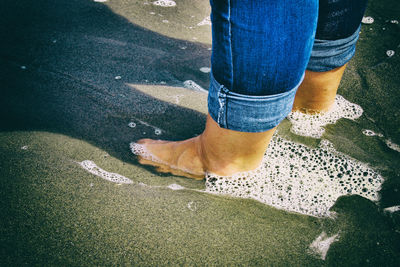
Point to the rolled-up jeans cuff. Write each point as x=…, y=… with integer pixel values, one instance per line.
x=330, y=54
x=248, y=113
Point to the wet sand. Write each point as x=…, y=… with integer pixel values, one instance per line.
x=81, y=80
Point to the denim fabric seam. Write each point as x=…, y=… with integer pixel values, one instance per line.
x=222, y=102
x=220, y=97
x=230, y=41
x=237, y=96
x=222, y=93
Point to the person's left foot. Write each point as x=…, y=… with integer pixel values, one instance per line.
x=219, y=151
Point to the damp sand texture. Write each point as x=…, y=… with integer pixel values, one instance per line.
x=83, y=79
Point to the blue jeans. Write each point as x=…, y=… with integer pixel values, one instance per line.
x=262, y=48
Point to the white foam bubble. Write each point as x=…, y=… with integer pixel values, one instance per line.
x=368, y=132
x=371, y=133
x=205, y=69
x=189, y=84
x=157, y=130
x=165, y=21
x=24, y=148
x=205, y=21
x=91, y=167
x=392, y=209
x=300, y=179
x=390, y=53
x=192, y=206
x=100, y=1
x=312, y=124
x=141, y=150
x=320, y=246
x=367, y=20
x=175, y=187
x=177, y=98
x=117, y=77
x=392, y=145
x=394, y=21
x=164, y=3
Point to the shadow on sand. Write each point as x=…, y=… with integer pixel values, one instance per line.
x=58, y=69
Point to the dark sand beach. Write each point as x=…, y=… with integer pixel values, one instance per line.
x=82, y=79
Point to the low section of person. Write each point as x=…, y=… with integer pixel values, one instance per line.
x=263, y=53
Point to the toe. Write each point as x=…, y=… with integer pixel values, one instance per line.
x=144, y=141
x=144, y=161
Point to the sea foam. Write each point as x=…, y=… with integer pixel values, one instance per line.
x=311, y=125
x=300, y=179
x=91, y=167
x=205, y=21
x=164, y=3
x=320, y=246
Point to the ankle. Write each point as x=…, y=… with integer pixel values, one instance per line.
x=318, y=91
x=225, y=152
x=228, y=163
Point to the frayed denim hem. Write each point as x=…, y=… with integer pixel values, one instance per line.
x=327, y=55
x=248, y=113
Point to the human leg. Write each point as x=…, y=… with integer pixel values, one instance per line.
x=335, y=41
x=258, y=60
x=318, y=90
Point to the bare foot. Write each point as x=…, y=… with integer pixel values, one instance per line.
x=179, y=158
x=318, y=90
x=220, y=151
